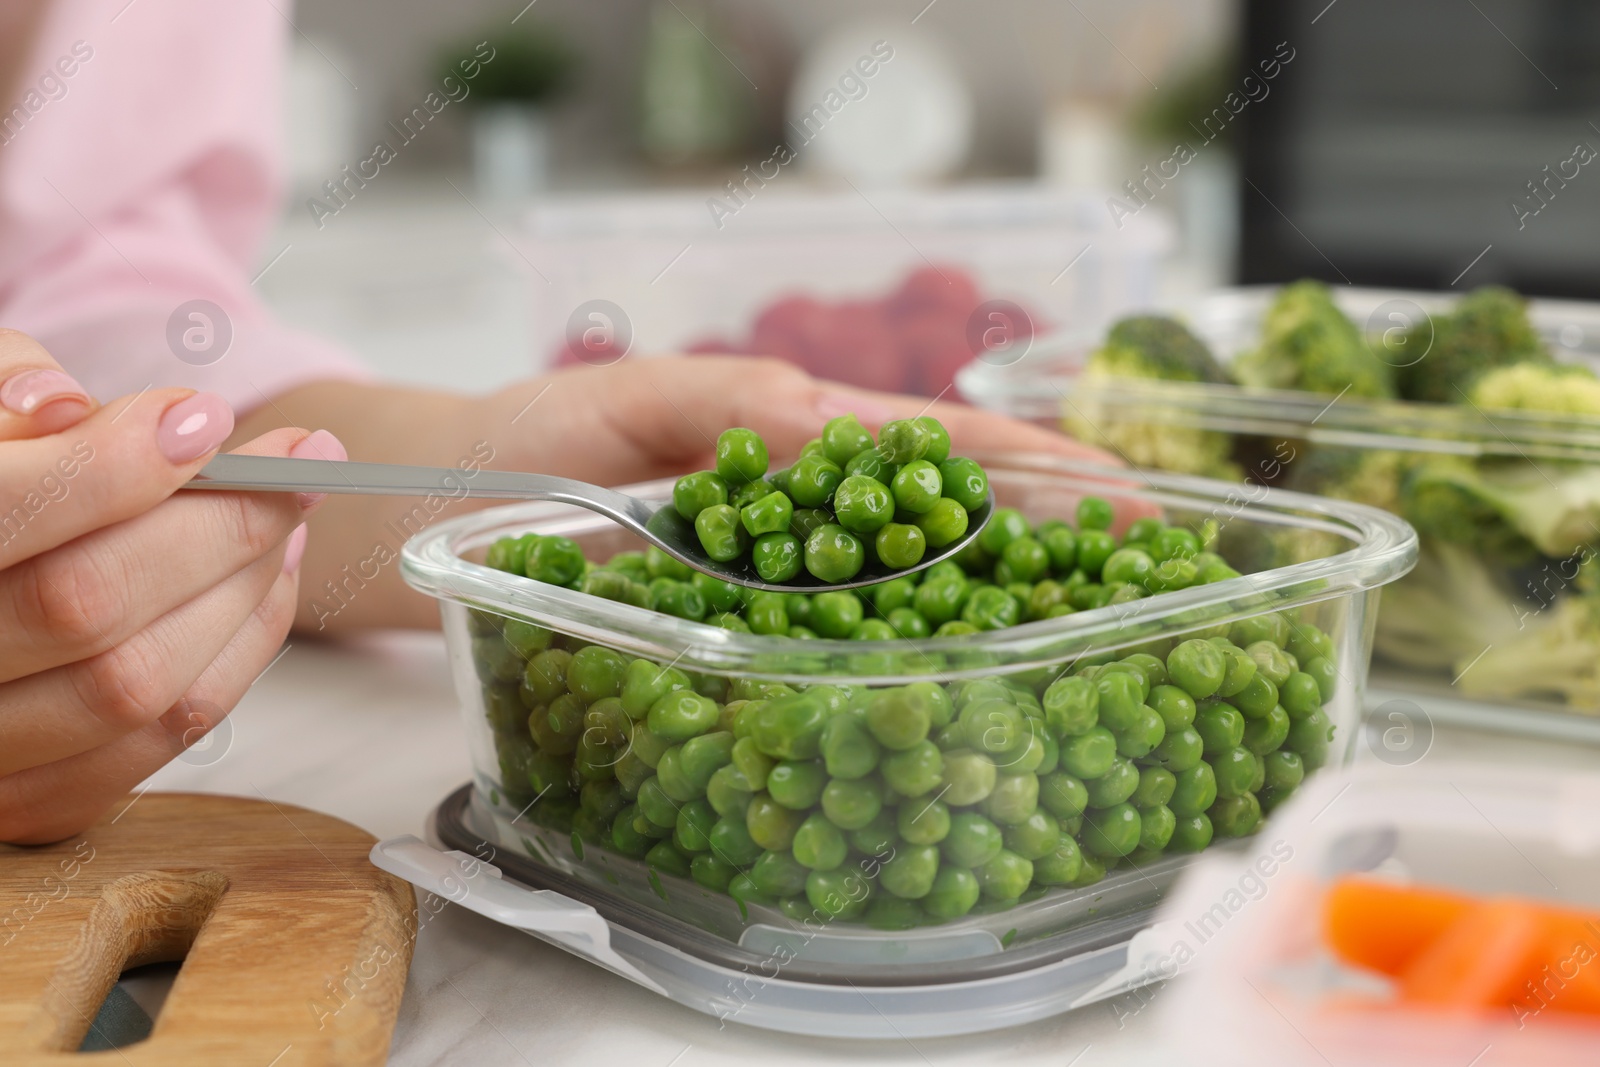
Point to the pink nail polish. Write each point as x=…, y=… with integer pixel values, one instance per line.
x=319, y=445
x=31, y=390
x=191, y=428
x=295, y=550
x=832, y=405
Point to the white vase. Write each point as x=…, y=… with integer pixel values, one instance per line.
x=510, y=150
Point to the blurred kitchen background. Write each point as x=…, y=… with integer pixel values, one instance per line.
x=912, y=183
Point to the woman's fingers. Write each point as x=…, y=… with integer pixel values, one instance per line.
x=53, y=714
x=55, y=800
x=119, y=462
x=95, y=592
x=37, y=397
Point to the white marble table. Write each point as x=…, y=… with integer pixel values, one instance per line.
x=368, y=731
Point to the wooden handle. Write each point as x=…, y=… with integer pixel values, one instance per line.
x=290, y=938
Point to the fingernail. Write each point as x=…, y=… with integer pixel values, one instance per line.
x=191, y=428
x=31, y=390
x=295, y=550
x=832, y=405
x=319, y=445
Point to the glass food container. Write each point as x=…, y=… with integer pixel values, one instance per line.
x=547, y=860
x=1465, y=634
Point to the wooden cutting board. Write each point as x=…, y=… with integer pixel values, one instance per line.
x=295, y=948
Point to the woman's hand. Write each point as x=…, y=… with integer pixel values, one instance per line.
x=134, y=618
x=628, y=422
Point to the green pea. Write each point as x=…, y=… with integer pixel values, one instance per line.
x=1035, y=837
x=903, y=441
x=1061, y=867
x=1306, y=643
x=1195, y=792
x=1174, y=543
x=1142, y=531
x=913, y=771
x=813, y=481
x=1061, y=544
x=1267, y=733
x=1156, y=785
x=894, y=594
x=851, y=804
x=693, y=493
x=1063, y=795
x=741, y=456
x=771, y=514
x=753, y=764
x=838, y=894
x=731, y=840
x=899, y=719
x=729, y=621
x=900, y=545
x=672, y=779
x=1121, y=698
x=910, y=874
x=938, y=439
x=871, y=463
x=877, y=838
x=1144, y=736
x=778, y=874
x=1241, y=670
x=1300, y=695
x=555, y=560
x=1111, y=832
x=1284, y=771
x=526, y=639
x=848, y=748
x=1258, y=698
x=1220, y=727
x=692, y=831
x=1094, y=548
x=993, y=726
x=968, y=777
x=1013, y=798
x=941, y=600
x=874, y=630
x=843, y=437
x=506, y=554
x=1235, y=771
x=1236, y=816
x=596, y=672
x=909, y=624
x=806, y=521
x=1176, y=707
x=819, y=844
x=660, y=565
x=1090, y=754
x=797, y=784
x=681, y=714
x=837, y=614
x=1326, y=674
x=545, y=677
x=1072, y=706
x=1198, y=667
x=721, y=534
x=1172, y=574
x=1156, y=825
x=742, y=889
x=790, y=727
x=664, y=857
x=1027, y=757
x=955, y=890
x=1311, y=737
x=1005, y=876
x=680, y=599
x=656, y=806
x=1190, y=834
x=771, y=824
x=625, y=838
x=1127, y=565
x=1115, y=786
x=917, y=486
x=922, y=823
x=863, y=505
x=991, y=608
x=767, y=613
x=712, y=871
x=720, y=596
x=833, y=554
x=943, y=523
x=728, y=792
x=1095, y=513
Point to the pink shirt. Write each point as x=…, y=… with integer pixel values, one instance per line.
x=139, y=170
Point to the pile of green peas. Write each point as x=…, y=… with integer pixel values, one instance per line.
x=845, y=501
x=919, y=803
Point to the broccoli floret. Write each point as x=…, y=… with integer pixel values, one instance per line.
x=1488, y=329
x=1453, y=613
x=1308, y=344
x=1561, y=389
x=1509, y=510
x=1363, y=475
x=1151, y=349
x=1154, y=346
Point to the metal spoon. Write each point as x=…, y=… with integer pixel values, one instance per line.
x=661, y=525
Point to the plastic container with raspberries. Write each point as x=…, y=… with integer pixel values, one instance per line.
x=858, y=832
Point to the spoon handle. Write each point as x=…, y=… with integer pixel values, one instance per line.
x=279, y=474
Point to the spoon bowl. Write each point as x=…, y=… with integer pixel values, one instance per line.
x=658, y=524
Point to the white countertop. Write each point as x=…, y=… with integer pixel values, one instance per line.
x=368, y=731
